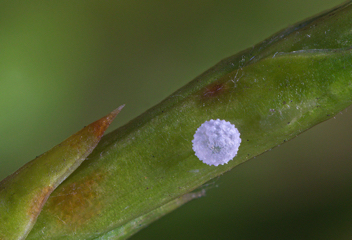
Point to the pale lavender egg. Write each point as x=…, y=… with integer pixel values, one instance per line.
x=216, y=142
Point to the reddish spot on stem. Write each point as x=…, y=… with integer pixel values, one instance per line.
x=78, y=202
x=214, y=90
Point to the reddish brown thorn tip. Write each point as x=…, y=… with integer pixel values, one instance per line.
x=102, y=124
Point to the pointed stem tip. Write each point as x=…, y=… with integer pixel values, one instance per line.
x=102, y=124
x=117, y=110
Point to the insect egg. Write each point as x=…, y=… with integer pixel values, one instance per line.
x=216, y=142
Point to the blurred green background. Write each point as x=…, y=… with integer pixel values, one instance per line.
x=64, y=64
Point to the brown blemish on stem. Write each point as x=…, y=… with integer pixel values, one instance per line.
x=75, y=199
x=213, y=90
x=78, y=202
x=39, y=201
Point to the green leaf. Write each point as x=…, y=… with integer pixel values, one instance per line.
x=23, y=194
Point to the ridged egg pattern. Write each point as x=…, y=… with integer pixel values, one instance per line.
x=216, y=142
